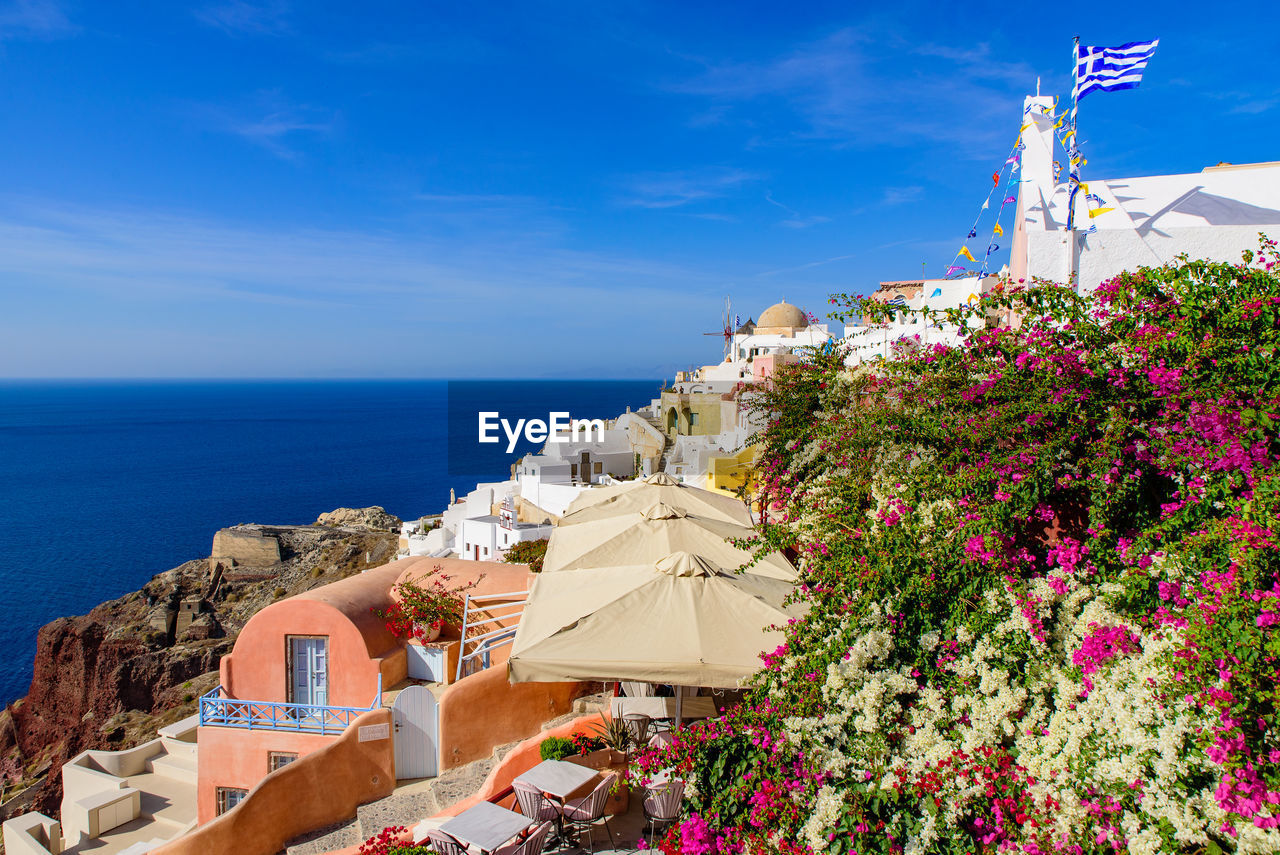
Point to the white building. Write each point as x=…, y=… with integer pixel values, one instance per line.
x=488, y=537
x=867, y=342
x=1214, y=214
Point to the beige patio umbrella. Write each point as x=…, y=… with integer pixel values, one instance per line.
x=659, y=530
x=681, y=620
x=636, y=496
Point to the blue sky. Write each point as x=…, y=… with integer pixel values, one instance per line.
x=425, y=189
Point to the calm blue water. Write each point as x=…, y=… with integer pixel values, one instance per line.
x=104, y=484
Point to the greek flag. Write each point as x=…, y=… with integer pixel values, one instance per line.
x=1111, y=68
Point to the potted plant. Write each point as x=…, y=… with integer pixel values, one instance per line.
x=421, y=608
x=615, y=736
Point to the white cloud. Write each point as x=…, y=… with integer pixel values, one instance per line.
x=856, y=86
x=240, y=17
x=39, y=19
x=901, y=195
x=675, y=189
x=269, y=120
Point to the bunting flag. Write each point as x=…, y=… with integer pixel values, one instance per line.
x=993, y=248
x=964, y=250
x=1009, y=200
x=1097, y=212
x=998, y=230
x=937, y=292
x=973, y=298
x=973, y=233
x=1057, y=171
x=986, y=204
x=955, y=268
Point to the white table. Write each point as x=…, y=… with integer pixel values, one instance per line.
x=558, y=778
x=485, y=826
x=695, y=707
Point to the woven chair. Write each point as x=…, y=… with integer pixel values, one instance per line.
x=535, y=805
x=662, y=804
x=637, y=725
x=583, y=813
x=531, y=845
x=662, y=739
x=444, y=843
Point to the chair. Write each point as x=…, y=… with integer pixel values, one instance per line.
x=637, y=725
x=583, y=813
x=531, y=845
x=444, y=843
x=662, y=739
x=637, y=690
x=535, y=805
x=662, y=804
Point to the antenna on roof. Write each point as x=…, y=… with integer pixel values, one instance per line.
x=727, y=331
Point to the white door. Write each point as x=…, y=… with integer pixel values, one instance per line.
x=414, y=717
x=309, y=664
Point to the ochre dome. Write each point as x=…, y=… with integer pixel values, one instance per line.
x=782, y=315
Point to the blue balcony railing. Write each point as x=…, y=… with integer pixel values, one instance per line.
x=219, y=710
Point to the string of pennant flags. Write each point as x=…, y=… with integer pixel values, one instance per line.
x=1011, y=164
x=1096, y=69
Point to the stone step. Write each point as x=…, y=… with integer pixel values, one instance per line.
x=176, y=766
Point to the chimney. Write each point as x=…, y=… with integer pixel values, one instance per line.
x=1038, y=182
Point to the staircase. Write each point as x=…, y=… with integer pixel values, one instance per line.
x=415, y=801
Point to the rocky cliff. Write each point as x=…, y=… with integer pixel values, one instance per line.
x=108, y=679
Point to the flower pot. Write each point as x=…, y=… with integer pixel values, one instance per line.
x=428, y=633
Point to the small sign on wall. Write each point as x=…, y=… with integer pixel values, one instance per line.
x=373, y=732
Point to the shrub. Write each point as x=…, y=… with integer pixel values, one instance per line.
x=556, y=748
x=529, y=552
x=1042, y=571
x=418, y=607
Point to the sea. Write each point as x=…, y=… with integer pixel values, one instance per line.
x=103, y=484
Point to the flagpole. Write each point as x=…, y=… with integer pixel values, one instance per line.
x=1073, y=180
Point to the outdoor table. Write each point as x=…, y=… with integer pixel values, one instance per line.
x=485, y=826
x=695, y=707
x=558, y=778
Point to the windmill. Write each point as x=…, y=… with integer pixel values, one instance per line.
x=728, y=330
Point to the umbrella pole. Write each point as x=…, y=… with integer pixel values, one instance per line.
x=679, y=705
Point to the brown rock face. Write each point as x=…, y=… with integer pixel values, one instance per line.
x=110, y=678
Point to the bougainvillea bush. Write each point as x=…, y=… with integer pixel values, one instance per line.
x=1042, y=570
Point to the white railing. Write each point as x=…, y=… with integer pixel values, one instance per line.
x=477, y=659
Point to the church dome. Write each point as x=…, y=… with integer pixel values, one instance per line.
x=782, y=315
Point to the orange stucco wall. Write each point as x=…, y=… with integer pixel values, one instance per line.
x=322, y=788
x=360, y=650
x=231, y=757
x=484, y=710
